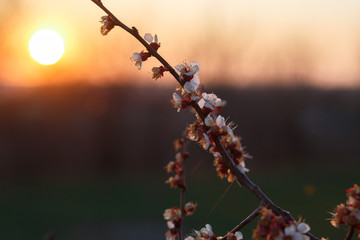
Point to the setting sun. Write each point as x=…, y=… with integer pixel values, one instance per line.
x=46, y=47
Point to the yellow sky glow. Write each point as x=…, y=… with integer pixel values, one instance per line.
x=244, y=43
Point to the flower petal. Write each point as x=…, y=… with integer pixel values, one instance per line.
x=238, y=235
x=148, y=37
x=176, y=97
x=290, y=230
x=195, y=66
x=135, y=56
x=170, y=224
x=303, y=227
x=201, y=103
x=220, y=121
x=207, y=141
x=297, y=236
x=209, y=121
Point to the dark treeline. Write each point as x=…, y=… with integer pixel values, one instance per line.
x=87, y=130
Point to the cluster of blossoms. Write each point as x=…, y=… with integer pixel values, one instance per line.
x=176, y=166
x=204, y=131
x=201, y=131
x=174, y=216
x=348, y=214
x=190, y=89
x=213, y=127
x=274, y=227
x=206, y=233
x=142, y=56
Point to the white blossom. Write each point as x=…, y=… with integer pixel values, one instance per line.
x=186, y=69
x=303, y=227
x=220, y=121
x=229, y=131
x=296, y=232
x=210, y=101
x=207, y=141
x=137, y=59
x=148, y=37
x=238, y=235
x=177, y=101
x=170, y=224
x=192, y=85
x=108, y=24
x=242, y=168
x=189, y=238
x=217, y=154
x=176, y=97
x=209, y=121
x=206, y=231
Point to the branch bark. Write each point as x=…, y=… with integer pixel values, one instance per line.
x=350, y=233
x=241, y=177
x=247, y=220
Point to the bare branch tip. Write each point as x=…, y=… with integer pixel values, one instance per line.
x=135, y=30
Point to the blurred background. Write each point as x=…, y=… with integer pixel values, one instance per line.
x=83, y=142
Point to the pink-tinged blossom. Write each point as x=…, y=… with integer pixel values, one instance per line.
x=209, y=121
x=172, y=214
x=275, y=227
x=175, y=181
x=206, y=144
x=234, y=236
x=177, y=101
x=153, y=41
x=220, y=121
x=207, y=232
x=137, y=59
x=187, y=71
x=190, y=208
x=238, y=235
x=295, y=232
x=349, y=213
x=229, y=131
x=192, y=85
x=242, y=168
x=303, y=228
x=170, y=166
x=209, y=101
x=158, y=72
x=196, y=236
x=170, y=224
x=189, y=238
x=108, y=24
x=148, y=37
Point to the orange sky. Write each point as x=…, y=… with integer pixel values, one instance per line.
x=241, y=42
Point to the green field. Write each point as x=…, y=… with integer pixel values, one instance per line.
x=131, y=207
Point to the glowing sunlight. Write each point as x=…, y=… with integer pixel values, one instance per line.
x=46, y=47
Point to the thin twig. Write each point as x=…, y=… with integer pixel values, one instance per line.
x=241, y=177
x=182, y=203
x=350, y=233
x=247, y=220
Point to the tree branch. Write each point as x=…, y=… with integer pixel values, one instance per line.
x=247, y=220
x=182, y=202
x=241, y=177
x=350, y=233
